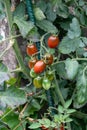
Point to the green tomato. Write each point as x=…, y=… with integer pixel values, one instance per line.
x=50, y=75
x=38, y=82
x=32, y=73
x=46, y=84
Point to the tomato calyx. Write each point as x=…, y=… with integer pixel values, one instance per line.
x=48, y=59
x=39, y=67
x=31, y=49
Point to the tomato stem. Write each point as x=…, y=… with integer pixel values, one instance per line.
x=15, y=45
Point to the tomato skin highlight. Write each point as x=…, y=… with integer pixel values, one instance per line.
x=48, y=59
x=31, y=49
x=32, y=62
x=46, y=84
x=39, y=67
x=38, y=82
x=53, y=41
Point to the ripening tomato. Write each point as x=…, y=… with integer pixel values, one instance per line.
x=32, y=62
x=48, y=59
x=62, y=127
x=46, y=84
x=53, y=41
x=32, y=73
x=39, y=66
x=31, y=49
x=44, y=128
x=38, y=82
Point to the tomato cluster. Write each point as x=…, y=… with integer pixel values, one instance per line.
x=37, y=67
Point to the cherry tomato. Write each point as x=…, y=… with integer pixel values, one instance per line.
x=46, y=84
x=38, y=82
x=53, y=41
x=50, y=75
x=62, y=127
x=32, y=62
x=44, y=128
x=31, y=49
x=39, y=66
x=48, y=59
x=32, y=73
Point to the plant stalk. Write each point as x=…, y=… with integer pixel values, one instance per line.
x=15, y=45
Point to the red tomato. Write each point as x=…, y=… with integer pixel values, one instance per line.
x=48, y=59
x=62, y=127
x=53, y=41
x=32, y=62
x=44, y=128
x=39, y=66
x=31, y=49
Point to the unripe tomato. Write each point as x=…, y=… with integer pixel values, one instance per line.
x=32, y=62
x=48, y=59
x=32, y=73
x=53, y=41
x=31, y=49
x=39, y=66
x=46, y=84
x=50, y=75
x=38, y=82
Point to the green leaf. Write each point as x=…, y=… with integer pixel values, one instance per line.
x=71, y=67
x=60, y=109
x=25, y=27
x=51, y=15
x=67, y=103
x=68, y=120
x=47, y=26
x=84, y=39
x=39, y=15
x=69, y=111
x=35, y=125
x=20, y=10
x=36, y=104
x=12, y=97
x=12, y=119
x=81, y=88
x=68, y=45
x=3, y=73
x=74, y=30
x=61, y=68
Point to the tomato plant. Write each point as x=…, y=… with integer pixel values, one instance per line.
x=39, y=67
x=53, y=41
x=58, y=31
x=31, y=49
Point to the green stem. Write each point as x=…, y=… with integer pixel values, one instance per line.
x=15, y=46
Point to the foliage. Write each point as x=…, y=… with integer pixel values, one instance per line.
x=22, y=105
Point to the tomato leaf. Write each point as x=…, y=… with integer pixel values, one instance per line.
x=25, y=27
x=35, y=125
x=81, y=89
x=39, y=15
x=67, y=103
x=47, y=26
x=74, y=30
x=3, y=73
x=12, y=97
x=68, y=45
x=71, y=67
